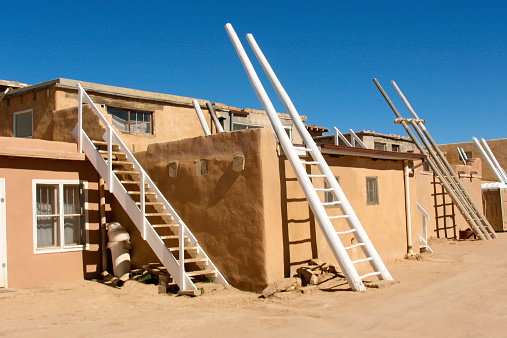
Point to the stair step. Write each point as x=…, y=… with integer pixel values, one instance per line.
x=103, y=143
x=161, y=226
x=138, y=192
x=132, y=182
x=201, y=272
x=150, y=203
x=157, y=214
x=126, y=172
x=122, y=162
x=174, y=237
x=196, y=260
x=115, y=152
x=187, y=248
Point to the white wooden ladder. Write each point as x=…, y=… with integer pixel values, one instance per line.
x=159, y=224
x=328, y=224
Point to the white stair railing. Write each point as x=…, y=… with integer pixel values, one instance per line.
x=138, y=213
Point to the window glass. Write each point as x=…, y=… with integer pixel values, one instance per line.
x=396, y=147
x=53, y=221
x=23, y=124
x=120, y=118
x=131, y=121
x=372, y=190
x=379, y=146
x=328, y=195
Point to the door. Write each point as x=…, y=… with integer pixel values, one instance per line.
x=3, y=237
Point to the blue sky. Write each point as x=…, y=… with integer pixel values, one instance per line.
x=448, y=57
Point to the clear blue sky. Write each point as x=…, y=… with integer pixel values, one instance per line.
x=448, y=57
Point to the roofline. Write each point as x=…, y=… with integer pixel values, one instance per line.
x=372, y=153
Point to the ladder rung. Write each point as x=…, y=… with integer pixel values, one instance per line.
x=345, y=232
x=353, y=246
x=201, y=272
x=316, y=175
x=331, y=203
x=340, y=216
x=362, y=260
x=310, y=162
x=323, y=189
x=370, y=274
x=303, y=149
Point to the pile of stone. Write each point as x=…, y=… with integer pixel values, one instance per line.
x=307, y=278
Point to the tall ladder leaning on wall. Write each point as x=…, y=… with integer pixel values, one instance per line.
x=159, y=224
x=341, y=253
x=441, y=167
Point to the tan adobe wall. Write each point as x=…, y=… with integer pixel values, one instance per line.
x=498, y=147
x=42, y=102
x=235, y=215
x=26, y=269
x=384, y=223
x=471, y=179
x=495, y=208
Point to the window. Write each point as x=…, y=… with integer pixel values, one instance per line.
x=379, y=146
x=372, y=190
x=426, y=166
x=328, y=195
x=242, y=126
x=132, y=121
x=59, y=208
x=395, y=147
x=23, y=124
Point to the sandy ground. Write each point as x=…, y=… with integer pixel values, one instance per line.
x=456, y=292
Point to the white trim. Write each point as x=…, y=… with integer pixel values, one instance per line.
x=14, y=121
x=62, y=247
x=3, y=233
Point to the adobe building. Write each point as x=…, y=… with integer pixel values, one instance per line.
x=234, y=190
x=498, y=147
x=373, y=140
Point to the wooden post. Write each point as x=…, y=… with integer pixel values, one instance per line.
x=103, y=235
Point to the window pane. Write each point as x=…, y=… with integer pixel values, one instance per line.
x=372, y=190
x=140, y=122
x=120, y=118
x=72, y=230
x=47, y=199
x=71, y=199
x=47, y=232
x=23, y=125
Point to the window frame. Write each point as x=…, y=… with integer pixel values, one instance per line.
x=14, y=115
x=62, y=247
x=381, y=144
x=376, y=200
x=129, y=111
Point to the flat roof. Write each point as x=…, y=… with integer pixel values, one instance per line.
x=372, y=153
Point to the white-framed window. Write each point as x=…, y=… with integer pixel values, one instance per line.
x=60, y=215
x=132, y=121
x=23, y=123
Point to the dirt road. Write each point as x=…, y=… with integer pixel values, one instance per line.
x=459, y=291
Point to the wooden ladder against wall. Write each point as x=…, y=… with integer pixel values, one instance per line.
x=337, y=228
x=441, y=167
x=159, y=224
x=445, y=219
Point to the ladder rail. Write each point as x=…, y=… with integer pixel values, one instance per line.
x=473, y=205
x=430, y=160
x=337, y=247
x=353, y=220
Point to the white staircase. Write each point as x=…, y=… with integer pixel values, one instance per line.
x=158, y=222
x=347, y=214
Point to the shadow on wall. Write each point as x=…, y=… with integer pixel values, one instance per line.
x=298, y=223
